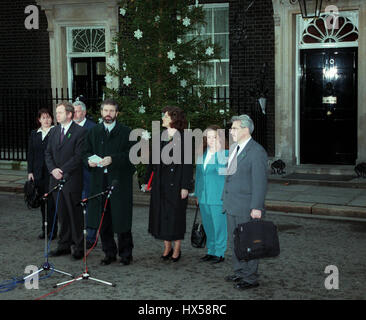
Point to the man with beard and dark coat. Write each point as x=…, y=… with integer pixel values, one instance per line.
x=109, y=140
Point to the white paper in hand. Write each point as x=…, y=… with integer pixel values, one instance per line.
x=96, y=159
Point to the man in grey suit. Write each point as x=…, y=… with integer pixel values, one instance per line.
x=244, y=193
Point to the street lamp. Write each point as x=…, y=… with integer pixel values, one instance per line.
x=310, y=8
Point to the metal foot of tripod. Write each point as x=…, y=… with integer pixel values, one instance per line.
x=46, y=266
x=86, y=275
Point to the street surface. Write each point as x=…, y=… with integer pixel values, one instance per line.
x=308, y=246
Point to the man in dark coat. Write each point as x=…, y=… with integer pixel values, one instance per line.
x=109, y=140
x=63, y=158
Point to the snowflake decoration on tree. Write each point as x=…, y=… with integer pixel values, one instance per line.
x=171, y=55
x=173, y=69
x=112, y=60
x=108, y=78
x=138, y=34
x=157, y=18
x=209, y=51
x=186, y=21
x=122, y=11
x=179, y=40
x=127, y=81
x=146, y=135
x=142, y=109
x=183, y=83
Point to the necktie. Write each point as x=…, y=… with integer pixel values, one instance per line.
x=107, y=132
x=62, y=134
x=231, y=166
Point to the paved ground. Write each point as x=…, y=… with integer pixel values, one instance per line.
x=283, y=195
x=308, y=247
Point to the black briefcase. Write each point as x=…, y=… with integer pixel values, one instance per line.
x=198, y=234
x=31, y=195
x=256, y=239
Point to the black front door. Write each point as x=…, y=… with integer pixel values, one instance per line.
x=328, y=106
x=88, y=79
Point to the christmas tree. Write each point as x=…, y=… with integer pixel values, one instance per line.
x=160, y=51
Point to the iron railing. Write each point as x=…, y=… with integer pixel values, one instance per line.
x=19, y=107
x=18, y=113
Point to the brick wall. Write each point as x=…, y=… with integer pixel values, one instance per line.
x=247, y=59
x=24, y=54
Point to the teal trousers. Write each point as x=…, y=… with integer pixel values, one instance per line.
x=215, y=225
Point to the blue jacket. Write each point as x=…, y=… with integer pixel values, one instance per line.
x=209, y=184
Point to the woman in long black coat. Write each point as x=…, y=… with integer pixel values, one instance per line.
x=169, y=187
x=37, y=169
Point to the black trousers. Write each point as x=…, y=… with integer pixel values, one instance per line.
x=109, y=246
x=70, y=219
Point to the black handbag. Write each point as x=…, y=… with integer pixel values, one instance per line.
x=198, y=235
x=31, y=195
x=256, y=239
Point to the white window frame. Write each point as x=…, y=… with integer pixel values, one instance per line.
x=70, y=54
x=215, y=61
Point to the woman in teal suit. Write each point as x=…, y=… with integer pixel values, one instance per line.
x=209, y=184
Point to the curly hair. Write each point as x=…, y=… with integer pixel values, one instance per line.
x=178, y=117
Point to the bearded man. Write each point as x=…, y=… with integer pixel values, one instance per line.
x=109, y=140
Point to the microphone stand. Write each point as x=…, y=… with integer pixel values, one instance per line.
x=85, y=275
x=46, y=266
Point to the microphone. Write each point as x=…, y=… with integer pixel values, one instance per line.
x=64, y=179
x=115, y=184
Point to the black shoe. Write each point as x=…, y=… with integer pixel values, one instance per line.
x=41, y=235
x=126, y=260
x=233, y=278
x=59, y=252
x=207, y=257
x=168, y=255
x=177, y=258
x=107, y=260
x=243, y=285
x=217, y=260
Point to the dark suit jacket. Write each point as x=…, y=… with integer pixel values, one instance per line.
x=67, y=156
x=246, y=188
x=36, y=157
x=88, y=124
